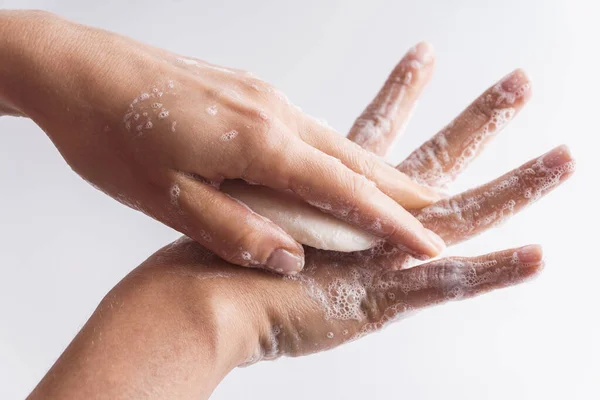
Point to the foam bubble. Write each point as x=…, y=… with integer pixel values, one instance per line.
x=174, y=192
x=227, y=136
x=432, y=165
x=212, y=110
x=375, y=123
x=187, y=61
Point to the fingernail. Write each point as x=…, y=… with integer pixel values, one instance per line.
x=437, y=242
x=557, y=157
x=516, y=81
x=284, y=262
x=530, y=254
x=422, y=52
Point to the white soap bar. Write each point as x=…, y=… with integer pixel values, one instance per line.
x=306, y=224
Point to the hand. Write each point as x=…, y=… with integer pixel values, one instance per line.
x=340, y=297
x=159, y=132
x=375, y=129
x=201, y=316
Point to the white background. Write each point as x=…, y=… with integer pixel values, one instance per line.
x=63, y=245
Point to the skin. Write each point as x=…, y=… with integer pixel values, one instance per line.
x=159, y=132
x=436, y=163
x=176, y=325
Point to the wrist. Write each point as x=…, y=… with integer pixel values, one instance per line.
x=226, y=329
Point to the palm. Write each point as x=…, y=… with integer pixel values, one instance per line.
x=341, y=296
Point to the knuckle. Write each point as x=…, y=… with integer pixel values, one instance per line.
x=256, y=83
x=461, y=209
x=448, y=276
x=435, y=151
x=464, y=208
x=261, y=137
x=275, y=95
x=359, y=193
x=359, y=186
x=369, y=165
x=481, y=108
x=264, y=124
x=269, y=141
x=258, y=121
x=445, y=273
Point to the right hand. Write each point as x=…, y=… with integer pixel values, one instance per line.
x=158, y=132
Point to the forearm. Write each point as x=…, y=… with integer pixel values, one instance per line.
x=31, y=60
x=156, y=335
x=53, y=71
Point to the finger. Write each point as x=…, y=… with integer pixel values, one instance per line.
x=457, y=278
x=385, y=119
x=463, y=216
x=439, y=161
x=389, y=180
x=233, y=231
x=327, y=184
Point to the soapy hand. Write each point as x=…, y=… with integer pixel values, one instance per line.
x=340, y=297
x=159, y=132
x=435, y=163
x=201, y=316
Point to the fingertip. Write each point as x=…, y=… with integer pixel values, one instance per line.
x=558, y=157
x=530, y=254
x=423, y=52
x=517, y=83
x=531, y=261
